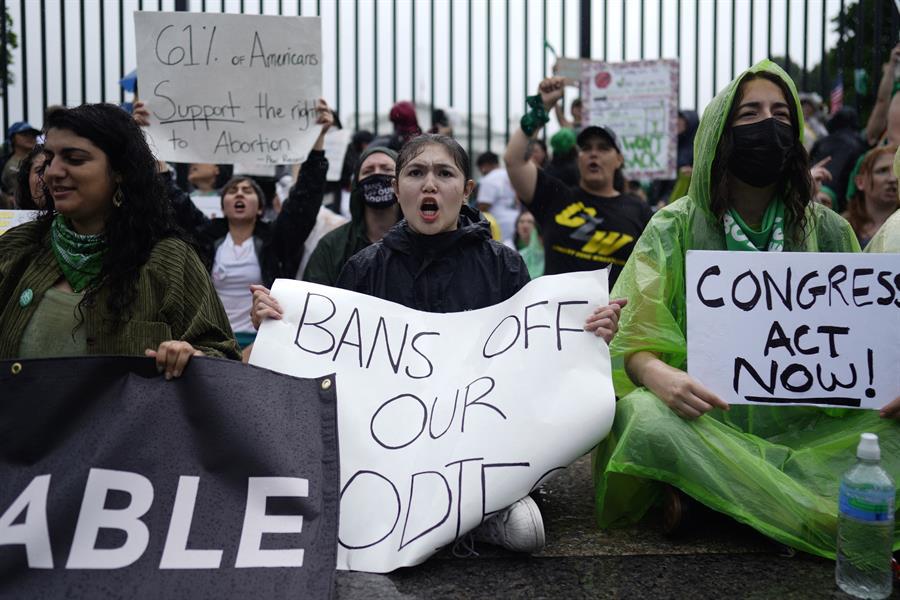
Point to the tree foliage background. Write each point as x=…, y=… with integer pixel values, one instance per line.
x=9, y=43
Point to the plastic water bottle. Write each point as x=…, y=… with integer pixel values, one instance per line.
x=865, y=525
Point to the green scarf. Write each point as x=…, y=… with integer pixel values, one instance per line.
x=770, y=238
x=79, y=256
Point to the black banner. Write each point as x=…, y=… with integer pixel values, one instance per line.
x=117, y=483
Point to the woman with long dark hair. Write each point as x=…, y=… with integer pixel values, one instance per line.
x=107, y=271
x=31, y=194
x=774, y=468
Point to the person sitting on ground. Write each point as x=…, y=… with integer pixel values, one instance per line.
x=495, y=194
x=31, y=193
x=374, y=210
x=441, y=258
x=872, y=193
x=584, y=228
x=107, y=271
x=773, y=468
x=22, y=138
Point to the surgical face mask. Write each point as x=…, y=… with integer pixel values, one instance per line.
x=377, y=192
x=761, y=151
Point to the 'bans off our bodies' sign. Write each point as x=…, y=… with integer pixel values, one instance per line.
x=230, y=88
x=445, y=418
x=772, y=328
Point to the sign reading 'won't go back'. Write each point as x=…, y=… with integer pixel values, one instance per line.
x=795, y=328
x=230, y=88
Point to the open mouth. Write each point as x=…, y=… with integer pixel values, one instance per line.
x=594, y=167
x=429, y=210
x=239, y=205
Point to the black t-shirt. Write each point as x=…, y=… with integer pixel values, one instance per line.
x=583, y=232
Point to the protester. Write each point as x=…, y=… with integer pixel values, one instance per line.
x=373, y=210
x=872, y=193
x=440, y=258
x=813, y=122
x=406, y=126
x=496, y=194
x=31, y=194
x=664, y=191
x=203, y=177
x=584, y=228
x=22, y=138
x=883, y=126
x=764, y=466
x=888, y=239
x=576, y=123
x=843, y=145
x=108, y=272
x=564, y=163
x=441, y=123
x=537, y=153
x=528, y=242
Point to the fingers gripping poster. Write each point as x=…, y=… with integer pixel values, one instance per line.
x=229, y=89
x=772, y=328
x=445, y=419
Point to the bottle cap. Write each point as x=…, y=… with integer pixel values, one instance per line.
x=868, y=447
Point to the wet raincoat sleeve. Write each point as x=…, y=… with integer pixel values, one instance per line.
x=888, y=237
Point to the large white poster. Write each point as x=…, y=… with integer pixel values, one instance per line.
x=445, y=418
x=639, y=102
x=772, y=328
x=228, y=89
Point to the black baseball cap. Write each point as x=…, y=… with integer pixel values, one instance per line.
x=603, y=132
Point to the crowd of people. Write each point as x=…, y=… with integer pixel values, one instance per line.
x=120, y=260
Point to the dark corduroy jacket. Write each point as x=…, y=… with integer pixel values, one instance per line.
x=175, y=299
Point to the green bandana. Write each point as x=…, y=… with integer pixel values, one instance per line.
x=739, y=235
x=79, y=256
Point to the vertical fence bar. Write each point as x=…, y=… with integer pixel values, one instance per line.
x=659, y=23
x=4, y=69
x=488, y=65
x=605, y=25
x=394, y=52
x=624, y=31
x=375, y=68
x=562, y=49
x=733, y=45
x=299, y=8
x=787, y=37
x=43, y=57
x=280, y=10
x=62, y=54
x=823, y=63
x=641, y=13
x=337, y=55
x=543, y=39
x=840, y=47
x=23, y=28
x=318, y=8
x=697, y=57
x=450, y=50
x=678, y=46
x=525, y=39
x=469, y=79
x=121, y=50
x=356, y=65
x=750, y=44
x=412, y=51
x=805, y=44
x=82, y=51
x=769, y=32
x=431, y=57
x=102, y=52
x=857, y=56
x=715, y=69
x=506, y=73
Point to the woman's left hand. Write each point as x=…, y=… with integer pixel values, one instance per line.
x=141, y=114
x=325, y=118
x=172, y=357
x=891, y=410
x=604, y=321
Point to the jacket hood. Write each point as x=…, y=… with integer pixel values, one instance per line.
x=713, y=123
x=357, y=206
x=471, y=227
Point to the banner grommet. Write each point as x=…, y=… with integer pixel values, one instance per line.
x=16, y=368
x=326, y=384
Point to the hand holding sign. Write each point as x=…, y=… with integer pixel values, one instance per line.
x=687, y=397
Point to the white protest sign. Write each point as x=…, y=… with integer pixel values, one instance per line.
x=227, y=89
x=639, y=102
x=209, y=204
x=445, y=418
x=336, y=142
x=775, y=328
x=12, y=218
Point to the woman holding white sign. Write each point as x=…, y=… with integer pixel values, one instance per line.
x=441, y=258
x=766, y=467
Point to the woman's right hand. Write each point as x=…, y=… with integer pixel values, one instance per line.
x=264, y=306
x=551, y=90
x=687, y=397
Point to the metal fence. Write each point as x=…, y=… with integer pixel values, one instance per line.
x=478, y=57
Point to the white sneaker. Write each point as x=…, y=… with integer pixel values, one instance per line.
x=519, y=528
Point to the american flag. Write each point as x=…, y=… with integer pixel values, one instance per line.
x=837, y=94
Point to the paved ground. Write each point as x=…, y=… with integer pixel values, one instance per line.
x=721, y=560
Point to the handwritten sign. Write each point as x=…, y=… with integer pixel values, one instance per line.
x=795, y=328
x=336, y=142
x=639, y=102
x=12, y=218
x=230, y=89
x=445, y=419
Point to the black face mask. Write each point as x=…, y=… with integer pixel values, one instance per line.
x=761, y=151
x=377, y=192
